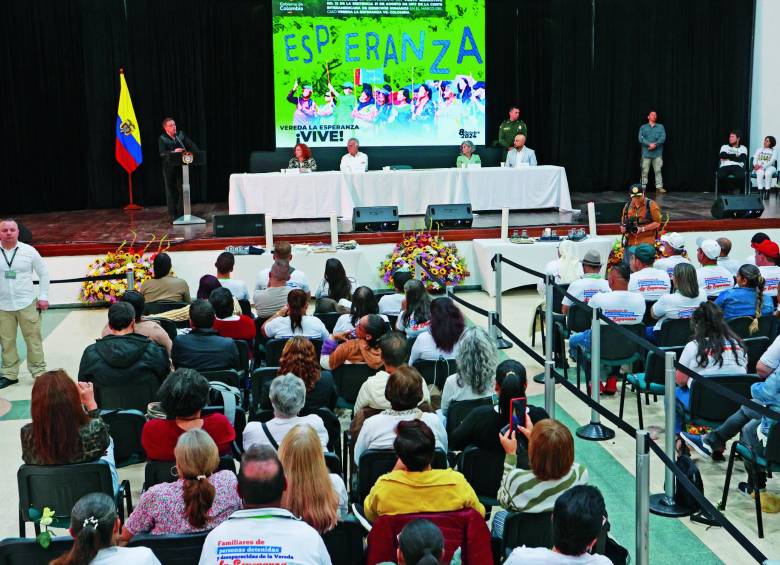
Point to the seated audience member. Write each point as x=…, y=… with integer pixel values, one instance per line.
x=578, y=517
x=226, y=323
x=651, y=283
x=201, y=498
x=467, y=156
x=203, y=349
x=565, y=269
x=206, y=285
x=66, y=426
x=164, y=285
x=225, y=264
x=552, y=470
x=413, y=486
x=392, y=304
x=354, y=161
x=302, y=158
x=422, y=543
x=415, y=316
x=672, y=252
x=149, y=328
x=714, y=350
x=713, y=278
x=758, y=238
x=288, y=395
x=681, y=303
x=621, y=305
x=395, y=352
x=182, y=397
x=589, y=284
x=94, y=526
x=291, y=320
x=767, y=259
x=283, y=252
x=307, y=494
x=477, y=361
x=363, y=302
x=442, y=338
x=123, y=356
x=752, y=427
x=747, y=298
x=733, y=162
x=364, y=349
x=300, y=358
x=335, y=287
x=483, y=424
x=261, y=485
x=724, y=260
x=404, y=391
x=520, y=154
x=270, y=299
x=765, y=166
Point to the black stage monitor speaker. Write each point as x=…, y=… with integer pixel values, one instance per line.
x=239, y=225
x=606, y=212
x=448, y=216
x=375, y=218
x=737, y=207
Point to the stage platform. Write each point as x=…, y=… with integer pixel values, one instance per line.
x=87, y=232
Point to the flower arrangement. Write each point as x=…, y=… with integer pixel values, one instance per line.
x=45, y=519
x=440, y=263
x=117, y=263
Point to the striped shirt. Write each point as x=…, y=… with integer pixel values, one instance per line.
x=522, y=491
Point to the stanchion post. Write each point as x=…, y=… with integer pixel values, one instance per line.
x=130, y=279
x=595, y=431
x=664, y=503
x=501, y=343
x=642, y=498
x=548, y=328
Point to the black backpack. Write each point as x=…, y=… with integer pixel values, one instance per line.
x=681, y=495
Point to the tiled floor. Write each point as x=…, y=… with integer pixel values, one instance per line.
x=610, y=464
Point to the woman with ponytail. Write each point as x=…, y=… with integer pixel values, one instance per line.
x=200, y=499
x=421, y=543
x=747, y=299
x=94, y=525
x=292, y=320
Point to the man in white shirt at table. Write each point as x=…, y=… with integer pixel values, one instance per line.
x=354, y=161
x=520, y=155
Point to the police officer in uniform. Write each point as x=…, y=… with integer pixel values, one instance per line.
x=641, y=218
x=510, y=128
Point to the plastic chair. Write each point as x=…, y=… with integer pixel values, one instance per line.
x=436, y=372
x=156, y=472
x=60, y=486
x=329, y=319
x=578, y=319
x=459, y=409
x=125, y=428
x=768, y=463
x=708, y=408
x=243, y=356
x=333, y=463
x=345, y=542
x=754, y=177
x=745, y=180
x=348, y=379
x=239, y=423
x=274, y=347
x=648, y=319
x=540, y=313
x=528, y=529
x=376, y=462
x=168, y=325
x=230, y=377
x=332, y=425
x=483, y=469
x=675, y=332
x=616, y=349
x=652, y=381
x=23, y=551
x=134, y=396
x=173, y=549
x=755, y=346
x=160, y=306
x=767, y=326
x=260, y=383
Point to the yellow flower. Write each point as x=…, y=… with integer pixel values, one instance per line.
x=48, y=515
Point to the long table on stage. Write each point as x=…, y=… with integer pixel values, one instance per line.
x=319, y=194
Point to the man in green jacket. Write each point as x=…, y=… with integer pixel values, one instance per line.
x=510, y=128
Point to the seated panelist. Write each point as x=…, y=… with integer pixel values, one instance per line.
x=520, y=154
x=467, y=156
x=302, y=159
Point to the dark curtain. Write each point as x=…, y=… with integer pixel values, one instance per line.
x=584, y=72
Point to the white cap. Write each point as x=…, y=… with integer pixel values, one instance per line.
x=709, y=247
x=674, y=239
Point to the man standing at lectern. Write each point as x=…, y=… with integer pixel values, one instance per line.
x=173, y=141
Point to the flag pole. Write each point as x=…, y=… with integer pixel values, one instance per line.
x=132, y=206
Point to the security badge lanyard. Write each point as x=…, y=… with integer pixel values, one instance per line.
x=10, y=273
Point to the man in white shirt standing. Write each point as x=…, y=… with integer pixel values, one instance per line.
x=650, y=282
x=520, y=155
x=724, y=260
x=18, y=305
x=263, y=531
x=733, y=161
x=713, y=278
x=354, y=161
x=672, y=249
x=589, y=285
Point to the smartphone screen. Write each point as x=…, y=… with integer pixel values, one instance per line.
x=517, y=415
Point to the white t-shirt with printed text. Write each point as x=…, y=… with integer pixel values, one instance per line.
x=650, y=282
x=714, y=279
x=585, y=288
x=620, y=306
x=771, y=274
x=297, y=280
x=676, y=306
x=668, y=263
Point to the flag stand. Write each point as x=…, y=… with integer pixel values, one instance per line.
x=132, y=206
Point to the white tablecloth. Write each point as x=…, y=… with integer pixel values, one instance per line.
x=534, y=256
x=317, y=195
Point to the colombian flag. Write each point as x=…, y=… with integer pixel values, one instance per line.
x=128, y=136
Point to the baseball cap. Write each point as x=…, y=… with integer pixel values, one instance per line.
x=709, y=247
x=644, y=252
x=636, y=190
x=674, y=239
x=768, y=248
x=592, y=258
